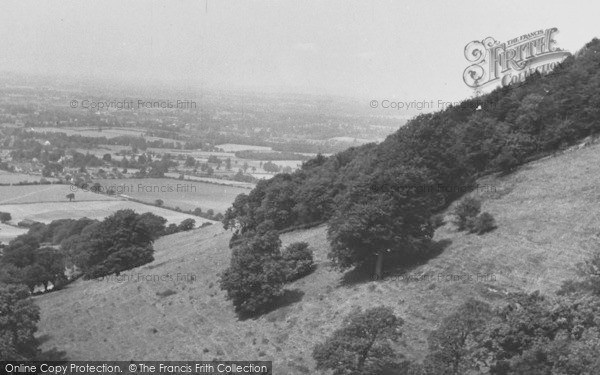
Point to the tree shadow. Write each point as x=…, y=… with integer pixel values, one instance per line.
x=288, y=298
x=394, y=265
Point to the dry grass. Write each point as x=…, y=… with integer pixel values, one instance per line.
x=547, y=221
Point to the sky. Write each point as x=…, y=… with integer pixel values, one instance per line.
x=396, y=50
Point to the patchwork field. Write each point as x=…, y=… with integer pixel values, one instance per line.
x=186, y=195
x=548, y=217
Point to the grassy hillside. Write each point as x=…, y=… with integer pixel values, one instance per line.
x=546, y=214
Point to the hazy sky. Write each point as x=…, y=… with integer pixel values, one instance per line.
x=406, y=50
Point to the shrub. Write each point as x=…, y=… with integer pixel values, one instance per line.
x=437, y=220
x=298, y=259
x=187, y=224
x=5, y=216
x=506, y=161
x=483, y=223
x=467, y=208
x=171, y=229
x=166, y=293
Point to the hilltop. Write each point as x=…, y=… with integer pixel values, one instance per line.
x=545, y=213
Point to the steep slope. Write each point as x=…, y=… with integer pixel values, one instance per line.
x=547, y=217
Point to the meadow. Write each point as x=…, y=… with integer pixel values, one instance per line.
x=233, y=147
x=15, y=178
x=48, y=211
x=45, y=193
x=184, y=194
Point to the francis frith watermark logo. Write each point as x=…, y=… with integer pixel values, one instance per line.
x=493, y=62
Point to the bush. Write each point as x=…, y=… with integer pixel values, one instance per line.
x=466, y=209
x=171, y=229
x=298, y=259
x=5, y=216
x=187, y=224
x=483, y=223
x=506, y=161
x=437, y=220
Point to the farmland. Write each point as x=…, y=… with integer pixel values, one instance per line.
x=48, y=211
x=15, y=178
x=214, y=181
x=186, y=195
x=45, y=193
x=107, y=133
x=45, y=203
x=232, y=147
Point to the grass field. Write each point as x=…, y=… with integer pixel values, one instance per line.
x=45, y=193
x=547, y=217
x=184, y=194
x=233, y=147
x=46, y=212
x=215, y=181
x=15, y=178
